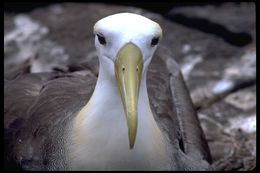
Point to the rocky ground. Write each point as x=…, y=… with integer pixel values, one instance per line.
x=214, y=45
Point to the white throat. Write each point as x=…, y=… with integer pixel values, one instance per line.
x=99, y=138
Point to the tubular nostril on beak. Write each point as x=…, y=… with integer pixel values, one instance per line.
x=123, y=69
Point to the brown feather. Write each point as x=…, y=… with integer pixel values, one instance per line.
x=39, y=108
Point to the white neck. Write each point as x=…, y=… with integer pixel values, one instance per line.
x=100, y=133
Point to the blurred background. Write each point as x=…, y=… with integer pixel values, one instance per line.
x=214, y=44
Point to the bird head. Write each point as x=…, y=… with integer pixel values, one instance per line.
x=125, y=44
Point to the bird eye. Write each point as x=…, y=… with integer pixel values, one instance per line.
x=101, y=39
x=154, y=41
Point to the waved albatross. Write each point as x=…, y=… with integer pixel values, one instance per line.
x=55, y=121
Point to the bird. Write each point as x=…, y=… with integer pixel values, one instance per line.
x=136, y=115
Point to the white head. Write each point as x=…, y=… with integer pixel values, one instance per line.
x=125, y=43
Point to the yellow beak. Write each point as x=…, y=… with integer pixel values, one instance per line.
x=128, y=72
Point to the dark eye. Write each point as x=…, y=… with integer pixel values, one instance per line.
x=101, y=39
x=154, y=41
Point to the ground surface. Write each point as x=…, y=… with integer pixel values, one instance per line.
x=214, y=45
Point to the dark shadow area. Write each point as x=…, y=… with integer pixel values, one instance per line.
x=236, y=39
x=164, y=7
x=157, y=7
x=244, y=84
x=9, y=164
x=23, y=7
